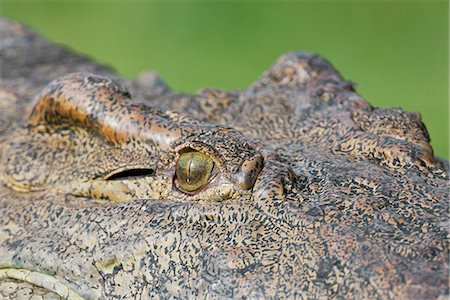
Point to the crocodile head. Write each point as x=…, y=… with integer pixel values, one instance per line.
x=295, y=187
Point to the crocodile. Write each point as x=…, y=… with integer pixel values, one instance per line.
x=293, y=188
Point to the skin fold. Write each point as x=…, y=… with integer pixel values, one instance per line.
x=307, y=191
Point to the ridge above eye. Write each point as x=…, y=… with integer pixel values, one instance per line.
x=193, y=171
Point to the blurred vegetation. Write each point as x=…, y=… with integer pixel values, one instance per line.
x=397, y=51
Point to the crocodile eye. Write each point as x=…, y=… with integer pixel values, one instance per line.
x=193, y=171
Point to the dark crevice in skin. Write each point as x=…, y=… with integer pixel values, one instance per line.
x=133, y=173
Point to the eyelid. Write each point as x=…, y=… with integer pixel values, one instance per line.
x=205, y=149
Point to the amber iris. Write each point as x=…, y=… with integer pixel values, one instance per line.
x=193, y=170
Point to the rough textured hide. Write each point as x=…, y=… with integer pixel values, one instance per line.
x=314, y=193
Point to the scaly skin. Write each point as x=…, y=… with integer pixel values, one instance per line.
x=317, y=193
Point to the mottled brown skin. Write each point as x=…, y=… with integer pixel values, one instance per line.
x=318, y=194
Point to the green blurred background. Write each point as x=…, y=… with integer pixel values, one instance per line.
x=397, y=51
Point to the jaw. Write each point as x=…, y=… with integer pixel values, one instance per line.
x=175, y=246
x=110, y=243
